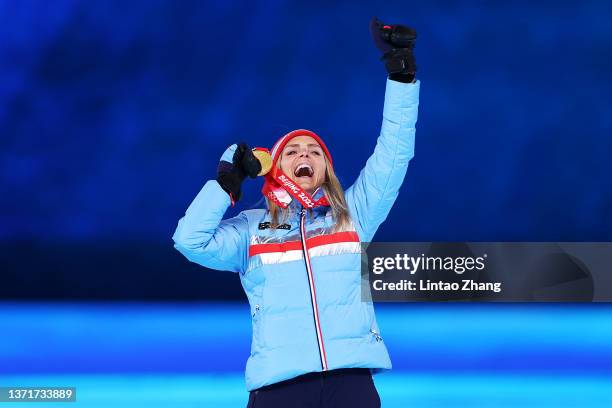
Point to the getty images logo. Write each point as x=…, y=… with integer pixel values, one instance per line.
x=413, y=264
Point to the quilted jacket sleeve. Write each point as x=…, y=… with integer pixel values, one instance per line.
x=372, y=195
x=205, y=238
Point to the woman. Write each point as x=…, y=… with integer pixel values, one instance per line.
x=315, y=342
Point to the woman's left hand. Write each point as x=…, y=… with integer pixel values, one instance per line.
x=397, y=44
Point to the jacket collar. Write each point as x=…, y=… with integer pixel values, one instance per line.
x=296, y=206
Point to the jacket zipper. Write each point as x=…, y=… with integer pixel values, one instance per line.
x=313, y=293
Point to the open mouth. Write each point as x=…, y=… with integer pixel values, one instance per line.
x=303, y=170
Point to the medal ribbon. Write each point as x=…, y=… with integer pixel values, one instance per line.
x=280, y=188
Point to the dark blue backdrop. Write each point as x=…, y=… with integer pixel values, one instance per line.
x=113, y=114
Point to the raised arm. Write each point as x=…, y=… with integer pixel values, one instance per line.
x=371, y=197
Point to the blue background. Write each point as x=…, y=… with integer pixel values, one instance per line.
x=148, y=355
x=113, y=114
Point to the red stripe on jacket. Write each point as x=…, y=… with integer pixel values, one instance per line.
x=335, y=238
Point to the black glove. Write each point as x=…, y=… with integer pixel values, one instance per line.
x=396, y=42
x=237, y=162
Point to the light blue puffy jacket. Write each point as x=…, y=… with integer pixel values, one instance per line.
x=303, y=282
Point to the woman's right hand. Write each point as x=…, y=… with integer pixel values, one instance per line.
x=237, y=162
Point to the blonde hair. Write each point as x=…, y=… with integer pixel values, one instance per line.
x=335, y=196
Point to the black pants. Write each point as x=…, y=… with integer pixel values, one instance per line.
x=347, y=387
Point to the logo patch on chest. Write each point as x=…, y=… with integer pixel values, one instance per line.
x=266, y=225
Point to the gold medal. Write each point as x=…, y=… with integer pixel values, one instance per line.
x=264, y=159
